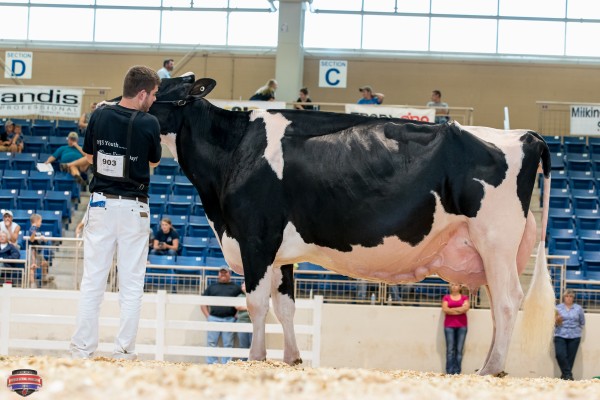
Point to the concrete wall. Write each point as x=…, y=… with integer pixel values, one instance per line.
x=354, y=336
x=486, y=86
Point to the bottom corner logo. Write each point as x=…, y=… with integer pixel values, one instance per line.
x=24, y=382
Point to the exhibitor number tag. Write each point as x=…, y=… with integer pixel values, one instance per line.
x=108, y=165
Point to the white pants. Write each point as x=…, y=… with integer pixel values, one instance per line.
x=123, y=226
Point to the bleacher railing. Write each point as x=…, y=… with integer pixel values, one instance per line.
x=334, y=288
x=554, y=117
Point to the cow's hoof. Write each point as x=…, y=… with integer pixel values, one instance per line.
x=297, y=361
x=500, y=374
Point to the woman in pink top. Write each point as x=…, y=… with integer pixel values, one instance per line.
x=455, y=305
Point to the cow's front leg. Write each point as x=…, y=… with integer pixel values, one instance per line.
x=282, y=293
x=257, y=301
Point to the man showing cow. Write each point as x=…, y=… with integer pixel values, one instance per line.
x=121, y=143
x=225, y=288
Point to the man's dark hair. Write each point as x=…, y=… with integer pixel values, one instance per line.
x=168, y=60
x=139, y=78
x=304, y=91
x=437, y=92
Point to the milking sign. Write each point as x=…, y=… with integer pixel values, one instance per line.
x=585, y=120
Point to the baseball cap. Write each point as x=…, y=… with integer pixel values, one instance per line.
x=224, y=268
x=366, y=87
x=8, y=122
x=73, y=135
x=4, y=212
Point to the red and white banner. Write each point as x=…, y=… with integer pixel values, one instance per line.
x=416, y=114
x=43, y=101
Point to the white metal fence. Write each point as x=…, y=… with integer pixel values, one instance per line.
x=13, y=314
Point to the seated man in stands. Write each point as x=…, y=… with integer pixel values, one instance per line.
x=71, y=158
x=166, y=239
x=8, y=252
x=10, y=227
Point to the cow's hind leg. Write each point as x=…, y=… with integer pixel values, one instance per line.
x=257, y=300
x=505, y=295
x=282, y=293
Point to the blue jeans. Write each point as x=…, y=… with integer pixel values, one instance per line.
x=244, y=339
x=213, y=339
x=455, y=342
x=566, y=350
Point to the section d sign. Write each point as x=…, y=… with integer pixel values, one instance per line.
x=585, y=120
x=18, y=64
x=333, y=73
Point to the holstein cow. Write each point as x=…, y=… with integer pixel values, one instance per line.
x=380, y=199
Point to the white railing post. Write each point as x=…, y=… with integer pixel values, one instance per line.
x=316, y=336
x=5, y=293
x=161, y=305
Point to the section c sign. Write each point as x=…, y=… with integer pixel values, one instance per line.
x=333, y=73
x=18, y=64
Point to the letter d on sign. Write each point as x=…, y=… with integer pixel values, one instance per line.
x=18, y=64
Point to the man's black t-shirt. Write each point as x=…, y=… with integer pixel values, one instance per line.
x=108, y=128
x=224, y=290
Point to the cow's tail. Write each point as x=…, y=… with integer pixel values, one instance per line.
x=538, y=307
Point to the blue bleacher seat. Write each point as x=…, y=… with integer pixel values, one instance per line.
x=189, y=261
x=40, y=180
x=160, y=184
x=6, y=160
x=591, y=260
x=593, y=275
x=57, y=200
x=52, y=221
x=562, y=233
x=198, y=208
x=160, y=276
x=25, y=161
x=574, y=174
x=179, y=205
x=15, y=179
x=583, y=157
x=64, y=127
x=25, y=125
x=214, y=249
x=573, y=262
x=586, y=213
x=582, y=192
x=161, y=260
x=8, y=199
x=557, y=161
x=589, y=244
x=54, y=142
x=63, y=181
x=157, y=203
x=167, y=166
x=43, y=127
x=183, y=186
x=589, y=202
x=35, y=144
x=30, y=199
x=215, y=261
x=154, y=221
x=554, y=143
x=560, y=180
x=560, y=201
x=578, y=165
x=194, y=246
x=587, y=223
x=562, y=244
x=567, y=222
x=594, y=145
x=575, y=144
x=22, y=217
x=198, y=226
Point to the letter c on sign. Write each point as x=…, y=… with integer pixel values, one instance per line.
x=329, y=79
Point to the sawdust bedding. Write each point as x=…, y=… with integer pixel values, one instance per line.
x=104, y=378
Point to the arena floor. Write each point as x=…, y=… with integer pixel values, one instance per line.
x=103, y=378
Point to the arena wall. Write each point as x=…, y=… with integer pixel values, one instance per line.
x=487, y=86
x=355, y=336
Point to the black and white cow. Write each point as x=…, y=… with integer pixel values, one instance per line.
x=380, y=199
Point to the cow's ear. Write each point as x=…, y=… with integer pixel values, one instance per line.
x=202, y=87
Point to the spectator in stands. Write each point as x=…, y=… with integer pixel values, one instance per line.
x=304, y=98
x=243, y=317
x=166, y=239
x=5, y=143
x=71, y=158
x=368, y=97
x=266, y=92
x=7, y=250
x=570, y=320
x=165, y=71
x=10, y=227
x=441, y=108
x=16, y=139
x=84, y=120
x=225, y=288
x=455, y=305
x=35, y=237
